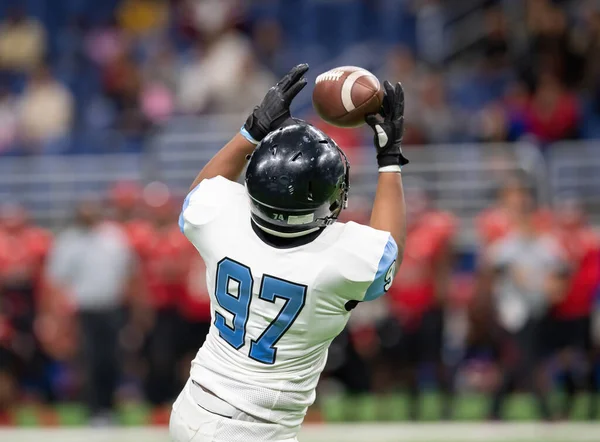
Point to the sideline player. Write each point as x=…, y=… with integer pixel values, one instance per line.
x=418, y=300
x=570, y=319
x=283, y=275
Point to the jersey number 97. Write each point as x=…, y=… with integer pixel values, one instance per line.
x=263, y=349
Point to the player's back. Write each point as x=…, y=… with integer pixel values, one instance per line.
x=275, y=310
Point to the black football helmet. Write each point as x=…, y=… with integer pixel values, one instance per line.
x=297, y=180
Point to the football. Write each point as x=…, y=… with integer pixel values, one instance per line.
x=343, y=96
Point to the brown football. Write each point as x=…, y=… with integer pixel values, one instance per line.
x=344, y=95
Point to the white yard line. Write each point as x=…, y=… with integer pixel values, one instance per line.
x=434, y=432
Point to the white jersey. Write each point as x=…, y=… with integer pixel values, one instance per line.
x=276, y=311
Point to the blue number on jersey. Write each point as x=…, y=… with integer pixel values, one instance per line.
x=263, y=349
x=238, y=304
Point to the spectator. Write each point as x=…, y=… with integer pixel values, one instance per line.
x=493, y=225
x=435, y=116
x=493, y=72
x=46, y=110
x=121, y=79
x=161, y=67
x=125, y=198
x=526, y=275
x=419, y=296
x=23, y=250
x=91, y=261
x=500, y=220
x=267, y=36
x=159, y=84
x=494, y=45
x=553, y=114
x=195, y=313
x=22, y=42
x=401, y=66
x=232, y=81
x=167, y=269
x=571, y=318
x=551, y=49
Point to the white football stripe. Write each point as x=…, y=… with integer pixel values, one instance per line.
x=347, y=88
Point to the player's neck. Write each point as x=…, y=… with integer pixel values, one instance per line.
x=284, y=243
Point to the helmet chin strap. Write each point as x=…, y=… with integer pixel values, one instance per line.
x=285, y=235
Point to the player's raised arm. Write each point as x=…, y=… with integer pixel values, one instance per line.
x=389, y=212
x=274, y=110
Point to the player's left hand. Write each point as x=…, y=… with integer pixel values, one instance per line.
x=275, y=107
x=388, y=126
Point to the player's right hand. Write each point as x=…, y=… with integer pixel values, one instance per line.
x=388, y=126
x=275, y=107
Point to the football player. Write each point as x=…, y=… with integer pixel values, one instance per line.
x=282, y=274
x=419, y=299
x=570, y=319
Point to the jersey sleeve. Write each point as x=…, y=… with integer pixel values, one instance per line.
x=367, y=264
x=208, y=210
x=386, y=269
x=205, y=202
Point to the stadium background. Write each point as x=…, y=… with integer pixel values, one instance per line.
x=120, y=103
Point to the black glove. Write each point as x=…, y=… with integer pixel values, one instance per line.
x=388, y=133
x=275, y=107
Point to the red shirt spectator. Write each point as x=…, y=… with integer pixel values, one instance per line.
x=125, y=198
x=415, y=290
x=195, y=303
x=553, y=113
x=23, y=247
x=582, y=248
x=166, y=266
x=23, y=252
x=140, y=234
x=495, y=223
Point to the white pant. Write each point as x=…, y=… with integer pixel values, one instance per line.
x=191, y=422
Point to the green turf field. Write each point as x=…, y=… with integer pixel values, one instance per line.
x=332, y=409
x=472, y=407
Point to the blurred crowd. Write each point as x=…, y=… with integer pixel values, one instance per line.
x=528, y=69
x=521, y=317
x=114, y=307
x=113, y=303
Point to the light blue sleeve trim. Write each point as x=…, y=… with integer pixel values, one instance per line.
x=383, y=277
x=186, y=203
x=247, y=136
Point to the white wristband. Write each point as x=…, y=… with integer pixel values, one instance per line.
x=393, y=168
